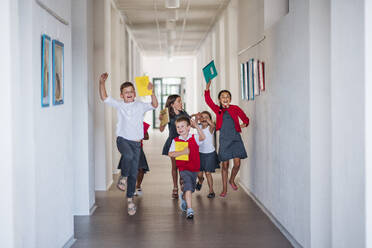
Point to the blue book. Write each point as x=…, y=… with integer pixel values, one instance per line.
x=209, y=71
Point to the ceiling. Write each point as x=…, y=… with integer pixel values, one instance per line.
x=170, y=31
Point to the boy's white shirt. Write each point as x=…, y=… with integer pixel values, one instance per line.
x=130, y=117
x=172, y=147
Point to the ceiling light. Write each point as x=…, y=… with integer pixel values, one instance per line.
x=173, y=15
x=172, y=34
x=170, y=25
x=172, y=4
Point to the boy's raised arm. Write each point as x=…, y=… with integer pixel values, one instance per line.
x=154, y=100
x=102, y=87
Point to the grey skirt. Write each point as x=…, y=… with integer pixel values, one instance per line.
x=143, y=162
x=231, y=149
x=209, y=162
x=166, y=146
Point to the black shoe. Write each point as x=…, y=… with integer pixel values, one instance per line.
x=198, y=186
x=211, y=195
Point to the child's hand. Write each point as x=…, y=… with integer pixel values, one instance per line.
x=209, y=84
x=103, y=78
x=193, y=123
x=186, y=151
x=243, y=125
x=150, y=86
x=198, y=116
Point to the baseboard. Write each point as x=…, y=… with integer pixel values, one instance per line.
x=92, y=209
x=70, y=242
x=109, y=185
x=281, y=228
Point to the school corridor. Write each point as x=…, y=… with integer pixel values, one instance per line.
x=234, y=221
x=299, y=69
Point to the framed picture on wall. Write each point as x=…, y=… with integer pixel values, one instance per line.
x=45, y=70
x=58, y=72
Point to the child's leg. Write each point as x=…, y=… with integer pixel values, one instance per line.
x=224, y=174
x=208, y=175
x=234, y=171
x=175, y=178
x=200, y=177
x=131, y=159
x=200, y=181
x=188, y=198
x=141, y=173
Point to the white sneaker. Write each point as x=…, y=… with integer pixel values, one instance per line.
x=138, y=192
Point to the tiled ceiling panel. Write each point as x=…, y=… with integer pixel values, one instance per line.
x=147, y=19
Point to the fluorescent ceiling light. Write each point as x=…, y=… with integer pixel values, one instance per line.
x=170, y=25
x=172, y=4
x=173, y=15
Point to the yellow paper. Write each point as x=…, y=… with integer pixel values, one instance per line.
x=142, y=84
x=180, y=146
x=165, y=119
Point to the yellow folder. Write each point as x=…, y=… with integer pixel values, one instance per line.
x=165, y=114
x=142, y=84
x=180, y=146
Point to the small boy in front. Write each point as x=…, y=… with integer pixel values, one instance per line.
x=129, y=130
x=188, y=169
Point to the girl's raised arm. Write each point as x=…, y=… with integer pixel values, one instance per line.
x=208, y=99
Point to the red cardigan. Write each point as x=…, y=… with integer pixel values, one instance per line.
x=233, y=110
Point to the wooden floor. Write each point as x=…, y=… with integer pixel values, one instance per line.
x=235, y=221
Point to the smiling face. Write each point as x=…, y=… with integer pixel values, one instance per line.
x=225, y=99
x=203, y=119
x=128, y=94
x=177, y=105
x=183, y=128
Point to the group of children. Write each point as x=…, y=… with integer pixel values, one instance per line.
x=202, y=156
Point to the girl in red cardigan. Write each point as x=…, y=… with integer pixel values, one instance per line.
x=231, y=145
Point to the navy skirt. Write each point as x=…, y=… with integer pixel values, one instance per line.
x=209, y=162
x=143, y=162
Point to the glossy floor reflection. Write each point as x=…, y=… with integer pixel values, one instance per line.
x=235, y=221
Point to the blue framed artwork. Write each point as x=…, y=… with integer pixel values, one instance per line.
x=45, y=70
x=58, y=72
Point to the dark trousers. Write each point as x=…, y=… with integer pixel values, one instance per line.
x=130, y=154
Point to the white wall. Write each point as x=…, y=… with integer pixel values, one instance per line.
x=43, y=202
x=309, y=136
x=277, y=171
x=7, y=224
x=82, y=71
x=179, y=67
x=54, y=176
x=348, y=123
x=24, y=141
x=320, y=124
x=368, y=121
x=103, y=114
x=115, y=78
